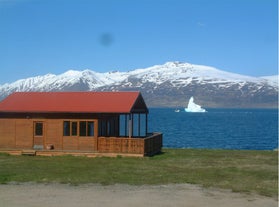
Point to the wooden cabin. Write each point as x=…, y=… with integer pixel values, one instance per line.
x=77, y=122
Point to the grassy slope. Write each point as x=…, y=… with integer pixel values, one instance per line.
x=241, y=171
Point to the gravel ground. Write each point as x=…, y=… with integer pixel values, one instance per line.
x=186, y=195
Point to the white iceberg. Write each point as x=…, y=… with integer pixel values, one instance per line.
x=192, y=107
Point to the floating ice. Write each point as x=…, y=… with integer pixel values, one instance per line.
x=192, y=107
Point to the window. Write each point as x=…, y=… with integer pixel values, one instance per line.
x=86, y=128
x=70, y=128
x=66, y=129
x=138, y=125
x=102, y=128
x=108, y=127
x=74, y=128
x=82, y=128
x=38, y=128
x=90, y=128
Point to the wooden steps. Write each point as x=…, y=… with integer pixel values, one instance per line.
x=28, y=152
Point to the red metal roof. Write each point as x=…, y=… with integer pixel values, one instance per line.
x=74, y=102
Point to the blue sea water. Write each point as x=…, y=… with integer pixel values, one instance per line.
x=253, y=129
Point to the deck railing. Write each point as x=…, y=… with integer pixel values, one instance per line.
x=146, y=146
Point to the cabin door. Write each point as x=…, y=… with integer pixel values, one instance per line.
x=38, y=131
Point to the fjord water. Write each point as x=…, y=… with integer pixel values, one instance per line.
x=253, y=129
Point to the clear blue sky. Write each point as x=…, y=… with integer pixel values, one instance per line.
x=52, y=36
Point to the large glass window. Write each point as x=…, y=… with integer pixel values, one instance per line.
x=102, y=128
x=124, y=125
x=108, y=127
x=137, y=123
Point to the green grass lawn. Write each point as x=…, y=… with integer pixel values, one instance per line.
x=239, y=170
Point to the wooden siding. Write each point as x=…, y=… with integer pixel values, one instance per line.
x=25, y=134
x=86, y=143
x=7, y=133
x=70, y=143
x=19, y=134
x=54, y=131
x=16, y=133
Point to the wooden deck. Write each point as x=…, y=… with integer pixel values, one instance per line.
x=144, y=146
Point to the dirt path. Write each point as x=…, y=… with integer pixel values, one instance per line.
x=59, y=195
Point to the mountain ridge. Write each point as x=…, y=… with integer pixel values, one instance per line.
x=170, y=84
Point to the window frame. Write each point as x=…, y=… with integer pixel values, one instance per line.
x=88, y=127
x=66, y=128
x=76, y=129
x=82, y=128
x=36, y=124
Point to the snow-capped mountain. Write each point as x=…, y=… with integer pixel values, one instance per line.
x=170, y=84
